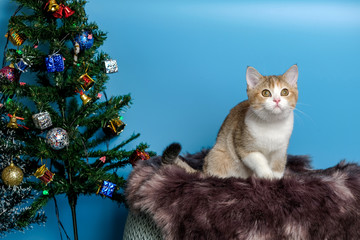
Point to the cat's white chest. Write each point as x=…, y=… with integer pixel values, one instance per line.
x=270, y=136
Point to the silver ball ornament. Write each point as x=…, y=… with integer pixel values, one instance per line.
x=57, y=138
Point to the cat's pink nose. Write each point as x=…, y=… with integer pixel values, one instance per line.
x=277, y=100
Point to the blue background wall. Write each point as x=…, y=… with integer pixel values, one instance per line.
x=184, y=63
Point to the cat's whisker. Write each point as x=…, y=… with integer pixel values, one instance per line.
x=299, y=117
x=303, y=104
x=304, y=114
x=253, y=115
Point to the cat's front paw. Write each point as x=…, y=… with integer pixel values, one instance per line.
x=268, y=174
x=278, y=175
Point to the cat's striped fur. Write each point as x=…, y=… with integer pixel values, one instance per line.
x=254, y=137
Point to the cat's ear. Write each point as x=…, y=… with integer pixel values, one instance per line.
x=291, y=75
x=253, y=77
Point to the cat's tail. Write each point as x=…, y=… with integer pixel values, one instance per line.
x=171, y=153
x=171, y=156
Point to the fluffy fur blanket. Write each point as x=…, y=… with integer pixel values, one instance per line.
x=305, y=204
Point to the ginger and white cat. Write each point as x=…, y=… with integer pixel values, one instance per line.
x=254, y=137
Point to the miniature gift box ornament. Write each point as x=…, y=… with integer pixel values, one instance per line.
x=111, y=66
x=42, y=120
x=106, y=189
x=55, y=63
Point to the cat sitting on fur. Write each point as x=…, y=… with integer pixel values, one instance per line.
x=254, y=137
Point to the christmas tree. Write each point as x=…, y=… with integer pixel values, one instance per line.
x=13, y=197
x=53, y=90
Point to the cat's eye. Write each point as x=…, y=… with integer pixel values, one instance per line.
x=284, y=92
x=266, y=93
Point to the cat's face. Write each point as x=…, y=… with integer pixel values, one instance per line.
x=272, y=96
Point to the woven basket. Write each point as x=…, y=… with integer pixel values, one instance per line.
x=140, y=226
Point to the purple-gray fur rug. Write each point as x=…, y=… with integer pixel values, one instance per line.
x=305, y=204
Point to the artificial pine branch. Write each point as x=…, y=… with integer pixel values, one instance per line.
x=13, y=198
x=77, y=167
x=32, y=212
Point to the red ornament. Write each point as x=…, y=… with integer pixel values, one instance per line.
x=44, y=174
x=63, y=11
x=68, y=11
x=138, y=155
x=86, y=81
x=59, y=12
x=10, y=73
